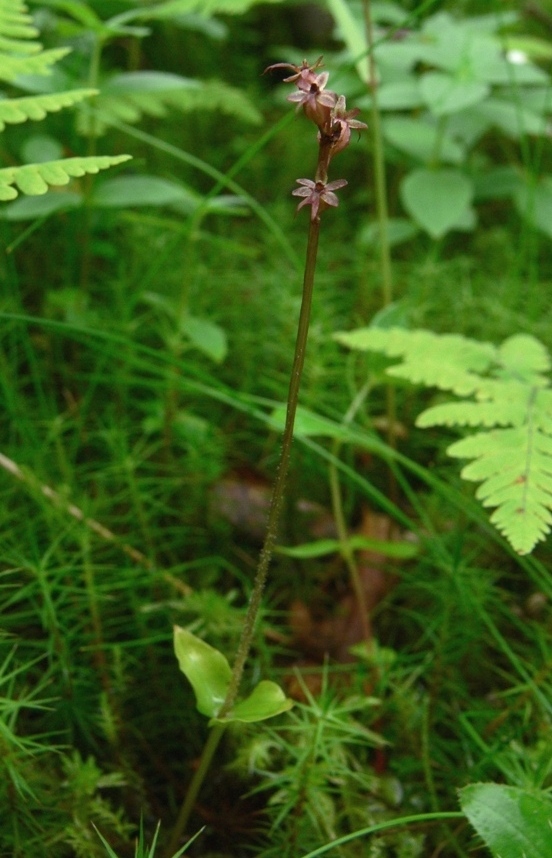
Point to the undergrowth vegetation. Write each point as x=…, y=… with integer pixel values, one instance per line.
x=148, y=315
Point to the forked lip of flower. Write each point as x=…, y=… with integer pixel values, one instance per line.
x=301, y=73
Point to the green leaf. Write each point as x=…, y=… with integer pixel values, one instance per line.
x=444, y=94
x=206, y=669
x=422, y=140
x=36, y=107
x=513, y=822
x=323, y=547
x=511, y=117
x=35, y=178
x=400, y=95
x=206, y=336
x=265, y=701
x=308, y=424
x=437, y=200
x=173, y=8
x=509, y=389
x=352, y=32
x=448, y=361
x=128, y=96
x=534, y=203
x=31, y=208
x=515, y=465
x=143, y=190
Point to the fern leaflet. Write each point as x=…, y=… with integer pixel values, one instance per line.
x=127, y=97
x=34, y=179
x=509, y=393
x=16, y=110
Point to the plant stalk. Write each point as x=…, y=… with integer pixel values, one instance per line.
x=209, y=749
x=278, y=488
x=265, y=556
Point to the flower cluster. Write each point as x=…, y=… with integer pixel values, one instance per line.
x=329, y=113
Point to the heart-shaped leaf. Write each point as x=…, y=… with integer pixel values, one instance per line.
x=206, y=669
x=445, y=93
x=513, y=822
x=438, y=200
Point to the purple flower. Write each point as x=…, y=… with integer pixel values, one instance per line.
x=342, y=120
x=304, y=74
x=318, y=195
x=310, y=93
x=317, y=102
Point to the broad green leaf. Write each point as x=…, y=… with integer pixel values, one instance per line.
x=31, y=208
x=534, y=203
x=172, y=8
x=438, y=200
x=398, y=231
x=265, y=701
x=143, y=190
x=308, y=424
x=422, y=140
x=512, y=117
x=497, y=183
x=206, y=336
x=400, y=95
x=352, y=32
x=513, y=822
x=444, y=93
x=35, y=178
x=206, y=669
x=323, y=547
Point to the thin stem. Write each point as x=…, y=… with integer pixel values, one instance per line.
x=379, y=164
x=278, y=490
x=380, y=189
x=341, y=525
x=280, y=480
x=191, y=794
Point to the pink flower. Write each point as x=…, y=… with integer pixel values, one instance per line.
x=304, y=74
x=342, y=120
x=318, y=195
x=317, y=102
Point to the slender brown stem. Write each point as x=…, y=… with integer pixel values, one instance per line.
x=191, y=793
x=265, y=556
x=278, y=488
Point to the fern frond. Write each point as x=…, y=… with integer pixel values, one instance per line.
x=516, y=468
x=16, y=24
x=449, y=362
x=34, y=179
x=173, y=8
x=16, y=110
x=508, y=388
x=20, y=52
x=127, y=97
x=13, y=66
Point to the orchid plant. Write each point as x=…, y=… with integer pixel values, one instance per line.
x=215, y=684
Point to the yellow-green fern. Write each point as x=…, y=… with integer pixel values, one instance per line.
x=506, y=390
x=21, y=53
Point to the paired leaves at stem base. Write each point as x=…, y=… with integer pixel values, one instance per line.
x=504, y=390
x=209, y=674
